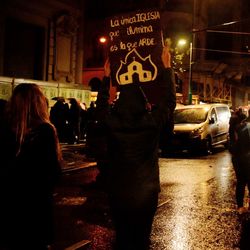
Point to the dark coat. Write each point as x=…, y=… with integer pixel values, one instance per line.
x=133, y=135
x=59, y=116
x=27, y=184
x=242, y=149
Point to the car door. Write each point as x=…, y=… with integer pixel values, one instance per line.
x=214, y=126
x=223, y=115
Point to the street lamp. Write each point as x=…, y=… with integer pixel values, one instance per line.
x=190, y=74
x=191, y=55
x=102, y=39
x=103, y=43
x=182, y=43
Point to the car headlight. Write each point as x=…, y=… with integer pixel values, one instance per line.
x=198, y=131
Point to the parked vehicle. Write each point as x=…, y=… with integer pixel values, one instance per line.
x=201, y=127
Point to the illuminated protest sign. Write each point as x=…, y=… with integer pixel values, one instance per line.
x=135, y=45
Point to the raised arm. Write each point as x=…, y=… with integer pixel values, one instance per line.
x=167, y=102
x=102, y=102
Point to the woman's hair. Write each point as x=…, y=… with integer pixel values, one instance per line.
x=27, y=108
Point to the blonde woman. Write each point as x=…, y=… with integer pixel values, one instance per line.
x=30, y=166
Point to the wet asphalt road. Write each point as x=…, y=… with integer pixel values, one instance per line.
x=196, y=210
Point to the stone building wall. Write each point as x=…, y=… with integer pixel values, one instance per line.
x=60, y=22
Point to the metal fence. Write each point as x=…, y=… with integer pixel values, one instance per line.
x=50, y=89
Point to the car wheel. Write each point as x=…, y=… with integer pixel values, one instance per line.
x=208, y=149
x=227, y=144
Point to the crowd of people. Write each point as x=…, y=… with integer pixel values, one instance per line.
x=31, y=158
x=71, y=119
x=123, y=137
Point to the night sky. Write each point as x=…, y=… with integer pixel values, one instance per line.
x=99, y=9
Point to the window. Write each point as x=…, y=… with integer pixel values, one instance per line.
x=194, y=115
x=23, y=50
x=213, y=115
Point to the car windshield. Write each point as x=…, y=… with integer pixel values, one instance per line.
x=190, y=115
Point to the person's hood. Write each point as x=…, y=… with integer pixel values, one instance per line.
x=131, y=101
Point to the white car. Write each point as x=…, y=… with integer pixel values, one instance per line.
x=201, y=127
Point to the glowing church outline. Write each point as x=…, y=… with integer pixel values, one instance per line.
x=135, y=67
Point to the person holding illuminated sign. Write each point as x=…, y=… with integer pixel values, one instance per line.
x=132, y=128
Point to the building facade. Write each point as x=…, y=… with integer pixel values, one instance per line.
x=42, y=42
x=55, y=43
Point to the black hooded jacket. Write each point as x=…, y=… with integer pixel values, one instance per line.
x=132, y=133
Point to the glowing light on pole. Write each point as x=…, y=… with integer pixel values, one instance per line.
x=103, y=43
x=190, y=74
x=102, y=39
x=182, y=43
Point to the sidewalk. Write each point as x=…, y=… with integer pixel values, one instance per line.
x=82, y=214
x=74, y=156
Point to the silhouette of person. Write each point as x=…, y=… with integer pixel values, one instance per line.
x=83, y=122
x=240, y=150
x=234, y=122
x=30, y=167
x=91, y=129
x=74, y=118
x=133, y=128
x=91, y=112
x=59, y=115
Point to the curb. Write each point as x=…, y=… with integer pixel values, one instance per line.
x=73, y=166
